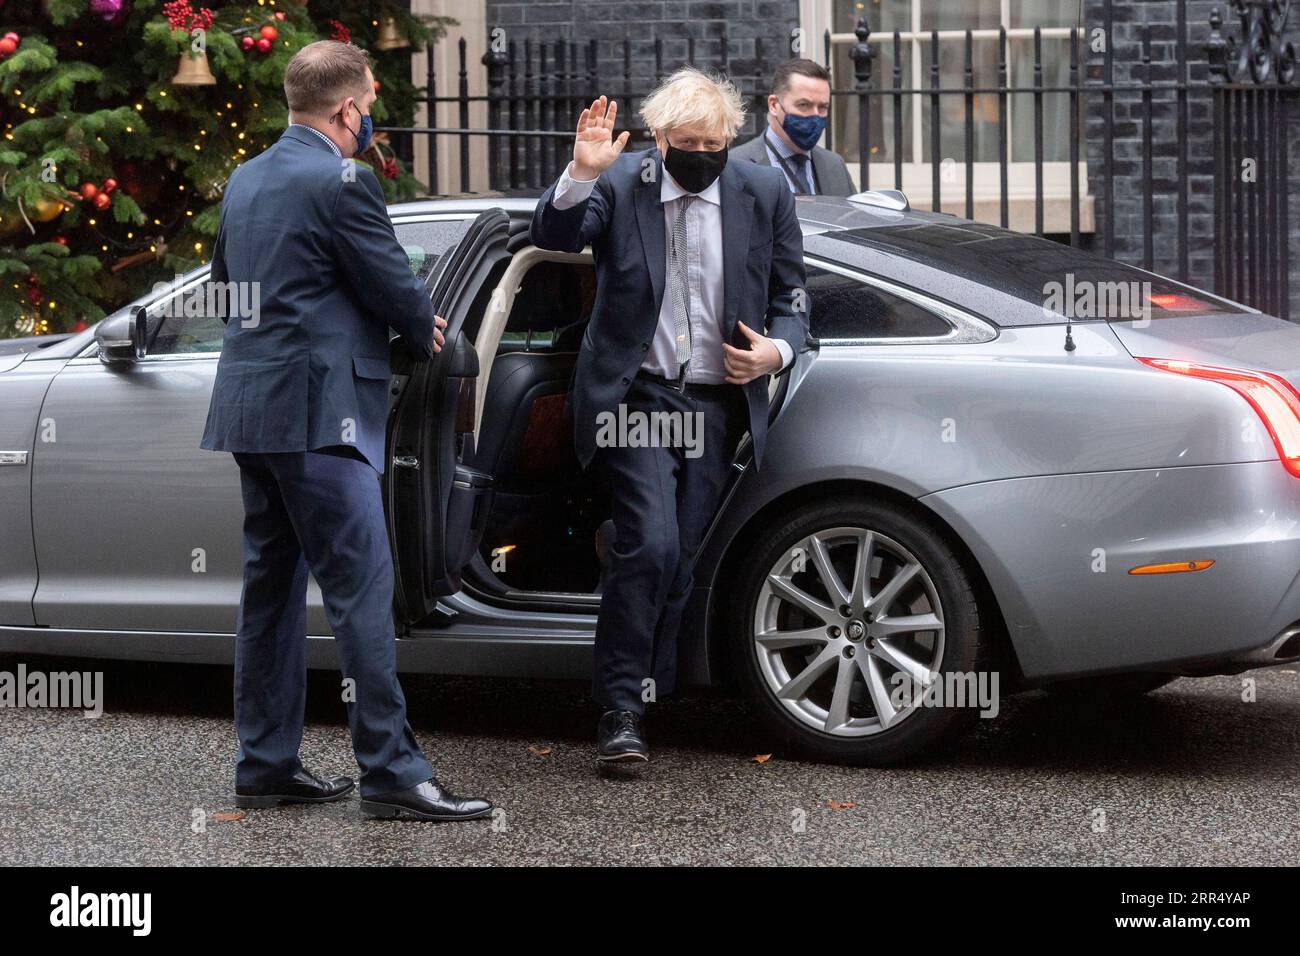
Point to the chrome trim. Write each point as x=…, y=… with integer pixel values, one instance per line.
x=966, y=328
x=18, y=457
x=894, y=199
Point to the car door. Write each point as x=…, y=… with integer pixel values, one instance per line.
x=435, y=501
x=136, y=527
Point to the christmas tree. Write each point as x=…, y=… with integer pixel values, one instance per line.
x=123, y=119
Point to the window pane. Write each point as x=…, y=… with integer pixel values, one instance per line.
x=952, y=106
x=424, y=242
x=1044, y=13
x=199, y=331
x=966, y=15
x=1056, y=106
x=881, y=15
x=844, y=106
x=847, y=308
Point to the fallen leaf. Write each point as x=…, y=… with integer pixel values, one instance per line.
x=227, y=815
x=537, y=750
x=762, y=758
x=840, y=804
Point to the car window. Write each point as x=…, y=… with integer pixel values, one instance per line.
x=427, y=240
x=190, y=322
x=844, y=307
x=190, y=319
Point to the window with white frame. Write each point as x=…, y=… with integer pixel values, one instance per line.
x=915, y=21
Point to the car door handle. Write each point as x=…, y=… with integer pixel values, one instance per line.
x=406, y=461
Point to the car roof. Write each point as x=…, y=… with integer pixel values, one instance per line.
x=817, y=214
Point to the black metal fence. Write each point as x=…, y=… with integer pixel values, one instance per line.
x=1101, y=99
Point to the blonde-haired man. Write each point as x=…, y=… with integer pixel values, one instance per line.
x=699, y=266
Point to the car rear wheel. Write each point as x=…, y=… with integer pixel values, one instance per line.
x=848, y=612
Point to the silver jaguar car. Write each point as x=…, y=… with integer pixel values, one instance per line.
x=998, y=456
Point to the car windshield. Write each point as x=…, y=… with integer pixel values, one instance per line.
x=1066, y=282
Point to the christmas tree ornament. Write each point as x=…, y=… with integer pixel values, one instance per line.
x=389, y=37
x=247, y=43
x=193, y=70
x=264, y=45
x=112, y=12
x=103, y=201
x=269, y=32
x=109, y=185
x=89, y=190
x=46, y=209
x=9, y=44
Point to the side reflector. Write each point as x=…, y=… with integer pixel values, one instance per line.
x=1175, y=568
x=1274, y=399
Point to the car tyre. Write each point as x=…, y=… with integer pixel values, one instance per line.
x=764, y=618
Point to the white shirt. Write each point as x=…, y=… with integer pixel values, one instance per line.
x=704, y=276
x=321, y=135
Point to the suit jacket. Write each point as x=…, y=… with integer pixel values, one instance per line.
x=623, y=221
x=832, y=174
x=314, y=369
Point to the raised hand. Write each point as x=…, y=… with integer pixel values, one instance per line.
x=595, y=147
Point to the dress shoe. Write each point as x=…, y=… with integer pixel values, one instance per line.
x=620, y=738
x=302, y=787
x=424, y=801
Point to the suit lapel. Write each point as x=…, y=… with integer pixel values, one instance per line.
x=650, y=223
x=737, y=217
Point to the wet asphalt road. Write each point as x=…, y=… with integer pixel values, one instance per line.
x=1188, y=775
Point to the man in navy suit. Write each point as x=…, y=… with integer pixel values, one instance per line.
x=300, y=399
x=699, y=270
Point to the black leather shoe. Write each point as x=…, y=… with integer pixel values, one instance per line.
x=302, y=787
x=424, y=801
x=620, y=738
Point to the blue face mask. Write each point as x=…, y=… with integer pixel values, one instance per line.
x=804, y=131
x=364, y=134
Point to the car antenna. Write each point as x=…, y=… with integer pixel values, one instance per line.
x=1069, y=311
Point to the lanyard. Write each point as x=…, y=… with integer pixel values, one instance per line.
x=787, y=168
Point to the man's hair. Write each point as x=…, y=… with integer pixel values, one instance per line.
x=690, y=96
x=322, y=73
x=781, y=78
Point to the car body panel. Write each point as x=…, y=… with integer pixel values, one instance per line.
x=1057, y=550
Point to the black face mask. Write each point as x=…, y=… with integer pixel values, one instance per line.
x=695, y=170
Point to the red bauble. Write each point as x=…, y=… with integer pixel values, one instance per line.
x=269, y=32
x=247, y=43
x=103, y=201
x=109, y=185
x=89, y=191
x=61, y=240
x=7, y=46
x=264, y=45
x=12, y=36
x=279, y=14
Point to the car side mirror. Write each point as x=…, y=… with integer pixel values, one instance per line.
x=123, y=339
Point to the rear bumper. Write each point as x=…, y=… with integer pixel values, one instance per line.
x=1057, y=551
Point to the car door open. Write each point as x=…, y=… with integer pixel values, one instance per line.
x=435, y=502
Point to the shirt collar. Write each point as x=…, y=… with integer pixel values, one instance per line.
x=327, y=140
x=670, y=189
x=778, y=145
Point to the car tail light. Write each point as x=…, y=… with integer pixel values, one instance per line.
x=1274, y=399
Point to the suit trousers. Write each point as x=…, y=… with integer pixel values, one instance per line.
x=662, y=501
x=319, y=511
